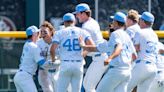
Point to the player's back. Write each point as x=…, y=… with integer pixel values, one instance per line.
x=123, y=60
x=132, y=30
x=69, y=44
x=27, y=60
x=148, y=44
x=93, y=28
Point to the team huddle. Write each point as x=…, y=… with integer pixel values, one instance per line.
x=132, y=57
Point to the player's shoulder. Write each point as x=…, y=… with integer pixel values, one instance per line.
x=59, y=32
x=90, y=23
x=134, y=28
x=40, y=41
x=31, y=44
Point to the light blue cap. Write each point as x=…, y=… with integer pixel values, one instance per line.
x=119, y=16
x=82, y=7
x=31, y=30
x=147, y=16
x=68, y=17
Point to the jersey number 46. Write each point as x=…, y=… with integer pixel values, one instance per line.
x=72, y=45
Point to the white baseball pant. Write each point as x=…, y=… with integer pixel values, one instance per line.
x=53, y=76
x=143, y=74
x=158, y=83
x=70, y=73
x=94, y=73
x=45, y=81
x=115, y=80
x=24, y=82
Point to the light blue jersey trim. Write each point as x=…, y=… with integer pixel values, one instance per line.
x=87, y=38
x=41, y=62
x=55, y=42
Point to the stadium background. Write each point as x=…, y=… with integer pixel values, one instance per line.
x=19, y=14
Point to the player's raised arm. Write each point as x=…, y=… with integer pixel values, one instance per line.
x=88, y=45
x=116, y=52
x=52, y=51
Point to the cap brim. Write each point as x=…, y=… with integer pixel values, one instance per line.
x=112, y=17
x=38, y=30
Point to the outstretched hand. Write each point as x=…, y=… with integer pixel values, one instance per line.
x=107, y=61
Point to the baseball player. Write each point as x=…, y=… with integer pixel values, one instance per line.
x=29, y=61
x=71, y=69
x=145, y=43
x=47, y=78
x=132, y=23
x=96, y=68
x=158, y=83
x=122, y=52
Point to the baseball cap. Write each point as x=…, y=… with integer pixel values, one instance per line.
x=147, y=16
x=81, y=7
x=119, y=16
x=68, y=17
x=31, y=30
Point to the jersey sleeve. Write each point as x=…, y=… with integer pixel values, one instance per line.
x=56, y=37
x=114, y=39
x=86, y=35
x=136, y=39
x=160, y=46
x=36, y=54
x=103, y=47
x=40, y=60
x=133, y=50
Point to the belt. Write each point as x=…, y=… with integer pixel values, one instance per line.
x=25, y=71
x=97, y=55
x=146, y=62
x=52, y=70
x=72, y=60
x=40, y=68
x=159, y=72
x=111, y=66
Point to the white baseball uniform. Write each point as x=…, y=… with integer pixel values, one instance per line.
x=158, y=83
x=30, y=59
x=118, y=74
x=47, y=78
x=96, y=68
x=71, y=69
x=132, y=30
x=144, y=71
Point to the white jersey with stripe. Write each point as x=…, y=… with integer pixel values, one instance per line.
x=125, y=57
x=30, y=57
x=45, y=52
x=67, y=39
x=147, y=39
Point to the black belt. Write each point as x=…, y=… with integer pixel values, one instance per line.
x=111, y=66
x=25, y=71
x=72, y=60
x=159, y=72
x=40, y=68
x=52, y=70
x=97, y=55
x=146, y=62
